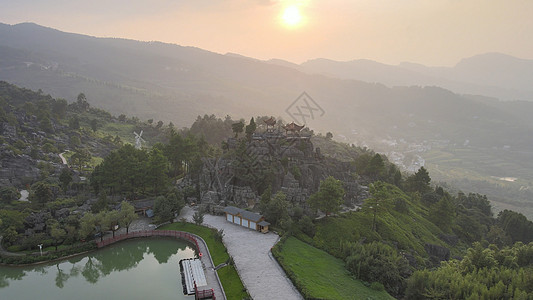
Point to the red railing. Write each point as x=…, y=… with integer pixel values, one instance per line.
x=149, y=233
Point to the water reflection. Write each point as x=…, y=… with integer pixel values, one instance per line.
x=117, y=264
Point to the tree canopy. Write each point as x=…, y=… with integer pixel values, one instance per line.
x=329, y=196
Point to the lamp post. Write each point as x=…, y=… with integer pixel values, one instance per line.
x=41, y=248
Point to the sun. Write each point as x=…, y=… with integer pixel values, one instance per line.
x=291, y=16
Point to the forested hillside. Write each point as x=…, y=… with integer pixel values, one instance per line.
x=459, y=138
x=393, y=230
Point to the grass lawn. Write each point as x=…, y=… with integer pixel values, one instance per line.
x=229, y=277
x=232, y=283
x=321, y=275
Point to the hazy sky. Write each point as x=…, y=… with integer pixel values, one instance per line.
x=432, y=32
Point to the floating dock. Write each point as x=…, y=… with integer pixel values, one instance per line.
x=193, y=275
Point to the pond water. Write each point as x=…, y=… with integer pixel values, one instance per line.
x=132, y=269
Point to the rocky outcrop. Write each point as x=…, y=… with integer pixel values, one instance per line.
x=17, y=170
x=36, y=222
x=291, y=165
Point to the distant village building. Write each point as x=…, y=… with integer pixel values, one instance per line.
x=246, y=219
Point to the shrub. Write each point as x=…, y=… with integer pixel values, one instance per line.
x=378, y=286
x=14, y=248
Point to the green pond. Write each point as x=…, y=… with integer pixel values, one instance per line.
x=133, y=269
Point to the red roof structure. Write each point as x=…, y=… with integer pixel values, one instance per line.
x=293, y=127
x=270, y=122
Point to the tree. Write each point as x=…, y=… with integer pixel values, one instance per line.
x=442, y=214
x=87, y=226
x=100, y=204
x=276, y=209
x=419, y=182
x=237, y=128
x=122, y=118
x=198, y=217
x=159, y=125
x=329, y=196
x=127, y=215
x=65, y=177
x=75, y=141
x=157, y=170
x=378, y=202
x=163, y=209
x=250, y=128
x=100, y=222
x=378, y=262
x=376, y=167
x=150, y=121
x=12, y=218
x=111, y=220
x=59, y=108
x=516, y=225
x=74, y=123
x=82, y=103
x=57, y=233
x=8, y=194
x=41, y=193
x=46, y=125
x=329, y=136
x=80, y=158
x=94, y=125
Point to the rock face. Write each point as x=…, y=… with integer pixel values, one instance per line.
x=36, y=222
x=17, y=170
x=289, y=164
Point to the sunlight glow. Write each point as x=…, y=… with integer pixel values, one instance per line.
x=291, y=16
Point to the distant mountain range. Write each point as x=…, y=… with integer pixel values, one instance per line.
x=361, y=102
x=492, y=74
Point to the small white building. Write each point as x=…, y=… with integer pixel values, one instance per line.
x=246, y=219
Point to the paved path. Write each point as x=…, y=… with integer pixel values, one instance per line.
x=63, y=158
x=212, y=279
x=259, y=271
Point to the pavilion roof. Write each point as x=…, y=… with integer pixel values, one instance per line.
x=293, y=127
x=270, y=122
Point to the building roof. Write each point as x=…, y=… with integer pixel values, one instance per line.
x=142, y=204
x=248, y=215
x=293, y=127
x=232, y=210
x=263, y=223
x=270, y=122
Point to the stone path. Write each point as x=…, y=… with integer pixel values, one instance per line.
x=259, y=271
x=63, y=158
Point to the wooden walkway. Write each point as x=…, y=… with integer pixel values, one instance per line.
x=213, y=282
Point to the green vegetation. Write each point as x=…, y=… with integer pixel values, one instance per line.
x=410, y=231
x=329, y=196
x=229, y=278
x=484, y=273
x=319, y=275
x=232, y=283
